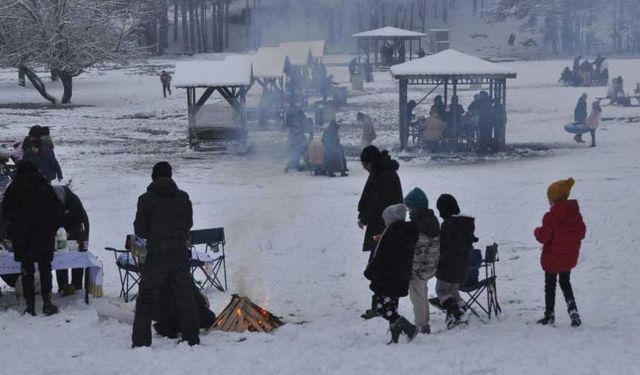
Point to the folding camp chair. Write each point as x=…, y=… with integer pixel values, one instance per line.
x=129, y=269
x=210, y=261
x=475, y=288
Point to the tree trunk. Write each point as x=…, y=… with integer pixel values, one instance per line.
x=192, y=31
x=226, y=25
x=175, y=21
x=196, y=15
x=214, y=24
x=185, y=27
x=36, y=82
x=67, y=85
x=203, y=27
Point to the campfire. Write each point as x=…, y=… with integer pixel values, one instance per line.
x=241, y=315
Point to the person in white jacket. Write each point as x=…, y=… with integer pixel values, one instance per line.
x=593, y=121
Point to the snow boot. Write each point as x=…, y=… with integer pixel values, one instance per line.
x=31, y=307
x=402, y=325
x=549, y=318
x=454, y=313
x=426, y=330
x=48, y=308
x=572, y=309
x=371, y=312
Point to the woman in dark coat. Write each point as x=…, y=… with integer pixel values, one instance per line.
x=382, y=190
x=456, y=242
x=34, y=214
x=390, y=269
x=334, y=160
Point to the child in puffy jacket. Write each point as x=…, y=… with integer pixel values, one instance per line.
x=561, y=233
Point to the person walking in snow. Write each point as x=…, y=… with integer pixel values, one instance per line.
x=456, y=242
x=425, y=257
x=389, y=269
x=164, y=218
x=593, y=121
x=165, y=79
x=580, y=115
x=561, y=234
x=34, y=214
x=382, y=189
x=333, y=157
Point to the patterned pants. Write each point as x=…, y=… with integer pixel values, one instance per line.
x=387, y=307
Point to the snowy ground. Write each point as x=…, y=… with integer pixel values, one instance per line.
x=293, y=243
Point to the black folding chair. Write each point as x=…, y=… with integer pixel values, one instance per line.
x=487, y=286
x=129, y=269
x=210, y=261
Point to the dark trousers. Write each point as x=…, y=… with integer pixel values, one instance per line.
x=550, y=290
x=593, y=137
x=77, y=274
x=28, y=269
x=165, y=88
x=387, y=307
x=166, y=268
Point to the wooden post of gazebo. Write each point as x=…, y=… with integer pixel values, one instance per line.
x=404, y=119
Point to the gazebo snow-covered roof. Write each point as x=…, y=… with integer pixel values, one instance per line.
x=298, y=52
x=451, y=68
x=389, y=32
x=214, y=73
x=269, y=62
x=450, y=63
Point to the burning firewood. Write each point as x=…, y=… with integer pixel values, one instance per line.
x=241, y=315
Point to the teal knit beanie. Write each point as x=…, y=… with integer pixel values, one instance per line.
x=416, y=199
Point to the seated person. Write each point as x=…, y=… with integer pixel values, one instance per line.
x=567, y=77
x=434, y=127
x=165, y=312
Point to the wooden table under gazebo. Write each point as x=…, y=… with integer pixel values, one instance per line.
x=449, y=69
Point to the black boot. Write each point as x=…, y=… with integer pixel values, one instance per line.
x=48, y=308
x=549, y=318
x=370, y=313
x=31, y=308
x=402, y=325
x=454, y=313
x=572, y=309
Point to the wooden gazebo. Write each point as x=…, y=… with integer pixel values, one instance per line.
x=449, y=69
x=370, y=41
x=230, y=79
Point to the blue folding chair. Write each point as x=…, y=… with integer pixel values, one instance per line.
x=475, y=288
x=212, y=260
x=129, y=269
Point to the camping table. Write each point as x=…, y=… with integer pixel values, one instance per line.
x=64, y=260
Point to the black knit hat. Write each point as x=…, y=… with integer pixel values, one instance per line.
x=370, y=154
x=161, y=169
x=35, y=131
x=447, y=206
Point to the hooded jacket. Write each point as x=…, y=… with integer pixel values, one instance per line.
x=456, y=242
x=427, y=250
x=46, y=160
x=390, y=268
x=381, y=190
x=561, y=234
x=164, y=217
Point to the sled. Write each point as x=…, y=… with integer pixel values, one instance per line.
x=576, y=128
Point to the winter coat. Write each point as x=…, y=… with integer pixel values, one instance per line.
x=580, y=112
x=164, y=216
x=165, y=78
x=456, y=243
x=433, y=128
x=315, y=153
x=593, y=121
x=34, y=214
x=390, y=268
x=561, y=233
x=333, y=153
x=381, y=190
x=427, y=250
x=46, y=161
x=75, y=220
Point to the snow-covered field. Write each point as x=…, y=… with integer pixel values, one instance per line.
x=294, y=246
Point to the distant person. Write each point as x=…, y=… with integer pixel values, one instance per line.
x=455, y=113
x=512, y=40
x=368, y=70
x=411, y=105
x=296, y=139
x=593, y=121
x=576, y=66
x=164, y=218
x=382, y=189
x=165, y=79
x=438, y=103
x=368, y=132
x=353, y=67
x=421, y=53
x=566, y=77
x=561, y=234
x=586, y=72
x=34, y=214
x=333, y=158
x=434, y=128
x=45, y=159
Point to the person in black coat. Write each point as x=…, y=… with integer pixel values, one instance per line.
x=580, y=112
x=167, y=316
x=334, y=160
x=390, y=269
x=456, y=243
x=381, y=190
x=76, y=223
x=34, y=214
x=164, y=218
x=44, y=158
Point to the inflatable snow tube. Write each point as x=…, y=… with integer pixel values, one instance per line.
x=576, y=128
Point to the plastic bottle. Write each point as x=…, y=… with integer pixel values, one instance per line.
x=61, y=239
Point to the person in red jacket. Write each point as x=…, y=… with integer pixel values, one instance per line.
x=561, y=233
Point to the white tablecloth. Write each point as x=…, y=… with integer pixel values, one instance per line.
x=63, y=260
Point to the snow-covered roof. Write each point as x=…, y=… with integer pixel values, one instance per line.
x=269, y=62
x=450, y=62
x=389, y=32
x=297, y=52
x=228, y=72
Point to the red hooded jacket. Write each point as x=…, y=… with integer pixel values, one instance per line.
x=561, y=233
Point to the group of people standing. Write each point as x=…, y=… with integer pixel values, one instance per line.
x=586, y=73
x=589, y=123
x=403, y=255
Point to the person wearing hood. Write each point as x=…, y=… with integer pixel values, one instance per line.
x=34, y=214
x=561, y=234
x=425, y=257
x=580, y=114
x=334, y=160
x=382, y=189
x=45, y=159
x=456, y=242
x=164, y=218
x=390, y=269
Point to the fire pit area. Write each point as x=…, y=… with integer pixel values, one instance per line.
x=242, y=315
